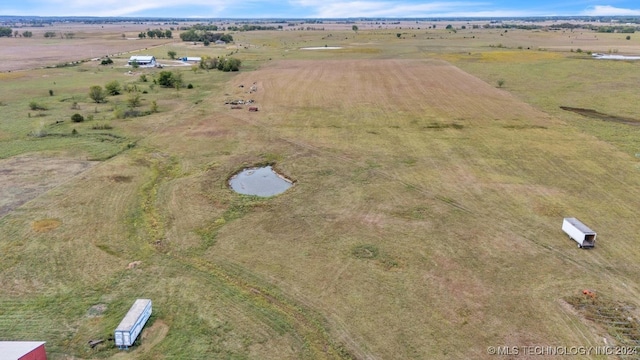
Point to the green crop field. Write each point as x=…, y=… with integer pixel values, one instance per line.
x=432, y=172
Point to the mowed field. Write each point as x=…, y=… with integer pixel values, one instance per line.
x=424, y=222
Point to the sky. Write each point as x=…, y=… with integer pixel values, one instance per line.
x=244, y=9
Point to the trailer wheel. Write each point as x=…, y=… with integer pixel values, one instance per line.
x=580, y=246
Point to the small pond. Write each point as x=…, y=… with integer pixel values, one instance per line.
x=263, y=181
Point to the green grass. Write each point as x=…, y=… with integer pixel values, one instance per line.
x=419, y=227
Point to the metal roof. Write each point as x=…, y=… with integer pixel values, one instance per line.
x=132, y=316
x=141, y=58
x=580, y=226
x=14, y=350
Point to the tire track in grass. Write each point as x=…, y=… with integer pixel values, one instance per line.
x=271, y=307
x=274, y=309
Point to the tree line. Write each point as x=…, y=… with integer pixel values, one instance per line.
x=156, y=33
x=205, y=36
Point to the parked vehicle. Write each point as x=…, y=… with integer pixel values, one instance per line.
x=579, y=232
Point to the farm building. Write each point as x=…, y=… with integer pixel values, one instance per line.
x=22, y=350
x=132, y=324
x=146, y=61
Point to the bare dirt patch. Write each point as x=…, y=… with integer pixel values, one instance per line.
x=45, y=225
x=149, y=338
x=23, y=178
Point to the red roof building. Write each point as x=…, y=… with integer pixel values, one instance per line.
x=22, y=350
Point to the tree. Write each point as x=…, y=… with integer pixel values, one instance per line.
x=113, y=88
x=27, y=34
x=208, y=63
x=49, y=34
x=5, y=31
x=229, y=64
x=169, y=79
x=97, y=94
x=355, y=28
x=172, y=54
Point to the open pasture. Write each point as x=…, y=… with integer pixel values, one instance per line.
x=86, y=42
x=424, y=223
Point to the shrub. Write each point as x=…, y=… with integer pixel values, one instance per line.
x=134, y=100
x=190, y=86
x=35, y=106
x=628, y=37
x=101, y=126
x=50, y=92
x=97, y=94
x=113, y=88
x=77, y=118
x=229, y=64
x=500, y=83
x=143, y=78
x=106, y=61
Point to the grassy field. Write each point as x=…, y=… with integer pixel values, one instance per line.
x=424, y=221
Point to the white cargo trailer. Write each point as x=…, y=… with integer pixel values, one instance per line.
x=579, y=232
x=132, y=324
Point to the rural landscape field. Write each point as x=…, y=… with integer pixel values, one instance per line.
x=432, y=167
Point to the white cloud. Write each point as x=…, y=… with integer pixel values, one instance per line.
x=606, y=10
x=342, y=9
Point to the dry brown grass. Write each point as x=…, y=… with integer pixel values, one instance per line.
x=89, y=41
x=45, y=225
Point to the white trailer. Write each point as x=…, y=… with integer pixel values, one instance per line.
x=579, y=232
x=132, y=324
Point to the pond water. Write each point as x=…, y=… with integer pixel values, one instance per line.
x=263, y=181
x=615, y=57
